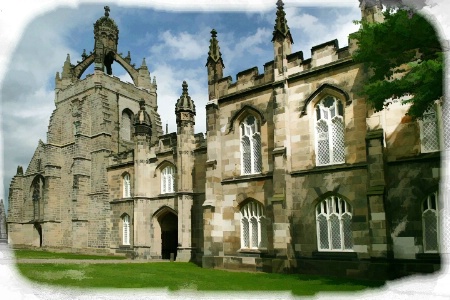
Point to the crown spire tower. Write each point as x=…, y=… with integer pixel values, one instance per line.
x=106, y=35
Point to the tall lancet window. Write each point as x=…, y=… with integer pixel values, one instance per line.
x=37, y=194
x=430, y=224
x=126, y=186
x=251, y=160
x=168, y=180
x=125, y=126
x=330, y=147
x=429, y=131
x=126, y=230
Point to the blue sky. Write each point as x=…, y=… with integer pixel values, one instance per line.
x=174, y=40
x=173, y=37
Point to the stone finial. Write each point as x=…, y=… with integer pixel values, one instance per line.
x=142, y=122
x=143, y=63
x=84, y=55
x=185, y=103
x=281, y=29
x=19, y=170
x=68, y=58
x=107, y=10
x=214, y=54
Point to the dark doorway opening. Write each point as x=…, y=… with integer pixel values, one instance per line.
x=169, y=235
x=38, y=227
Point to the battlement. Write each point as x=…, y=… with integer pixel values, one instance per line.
x=321, y=55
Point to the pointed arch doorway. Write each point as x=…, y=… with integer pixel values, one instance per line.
x=169, y=235
x=38, y=240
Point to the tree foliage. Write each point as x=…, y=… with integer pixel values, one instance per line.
x=404, y=60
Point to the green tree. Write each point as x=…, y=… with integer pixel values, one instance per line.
x=404, y=58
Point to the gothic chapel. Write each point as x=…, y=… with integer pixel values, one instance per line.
x=312, y=179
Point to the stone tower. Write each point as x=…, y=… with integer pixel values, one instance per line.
x=371, y=11
x=185, y=113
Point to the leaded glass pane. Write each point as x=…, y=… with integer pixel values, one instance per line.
x=323, y=232
x=430, y=140
x=335, y=229
x=254, y=232
x=430, y=230
x=323, y=146
x=347, y=231
x=257, y=153
x=337, y=132
x=245, y=233
x=246, y=155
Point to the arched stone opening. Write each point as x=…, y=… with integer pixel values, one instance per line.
x=169, y=235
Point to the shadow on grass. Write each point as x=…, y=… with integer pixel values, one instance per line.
x=181, y=276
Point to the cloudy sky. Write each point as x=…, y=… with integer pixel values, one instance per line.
x=173, y=37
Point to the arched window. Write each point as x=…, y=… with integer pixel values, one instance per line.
x=125, y=126
x=330, y=147
x=37, y=188
x=251, y=162
x=430, y=223
x=334, y=225
x=126, y=230
x=429, y=131
x=253, y=226
x=168, y=180
x=126, y=186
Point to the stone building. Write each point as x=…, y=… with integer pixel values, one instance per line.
x=312, y=179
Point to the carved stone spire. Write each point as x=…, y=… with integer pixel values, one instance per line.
x=281, y=29
x=185, y=109
x=215, y=64
x=214, y=54
x=185, y=103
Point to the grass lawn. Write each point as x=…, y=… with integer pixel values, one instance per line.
x=178, y=275
x=39, y=254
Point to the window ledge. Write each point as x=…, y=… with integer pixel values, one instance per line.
x=332, y=255
x=329, y=168
x=429, y=257
x=250, y=177
x=252, y=252
x=421, y=156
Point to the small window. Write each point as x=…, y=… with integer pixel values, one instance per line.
x=334, y=225
x=429, y=131
x=430, y=224
x=125, y=126
x=253, y=226
x=168, y=180
x=126, y=230
x=251, y=160
x=330, y=146
x=126, y=186
x=37, y=189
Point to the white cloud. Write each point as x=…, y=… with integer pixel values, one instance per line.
x=169, y=80
x=181, y=45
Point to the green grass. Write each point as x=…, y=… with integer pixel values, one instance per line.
x=39, y=254
x=177, y=275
